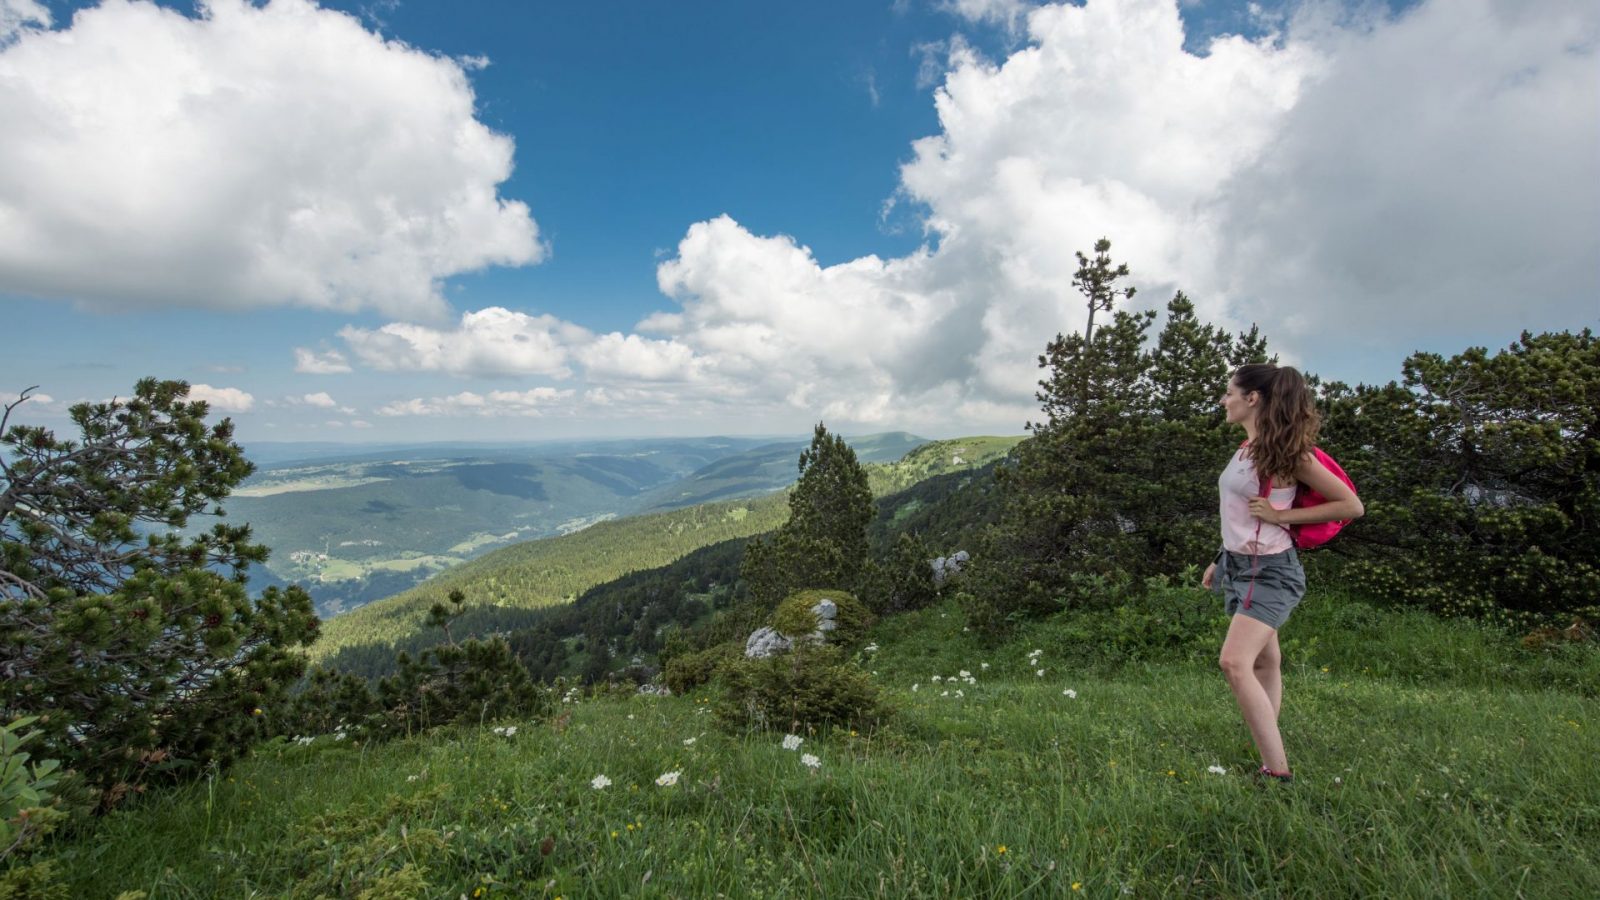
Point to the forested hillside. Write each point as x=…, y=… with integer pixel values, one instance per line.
x=556, y=570
x=616, y=617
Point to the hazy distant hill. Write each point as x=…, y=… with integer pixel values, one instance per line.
x=545, y=572
x=554, y=570
x=371, y=524
x=764, y=469
x=378, y=520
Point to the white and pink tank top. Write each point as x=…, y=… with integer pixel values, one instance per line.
x=1237, y=485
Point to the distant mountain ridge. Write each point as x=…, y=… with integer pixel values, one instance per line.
x=545, y=572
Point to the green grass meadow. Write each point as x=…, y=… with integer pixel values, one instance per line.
x=1433, y=759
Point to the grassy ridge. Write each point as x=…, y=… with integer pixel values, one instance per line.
x=1462, y=779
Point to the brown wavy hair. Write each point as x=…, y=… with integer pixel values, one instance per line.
x=1287, y=420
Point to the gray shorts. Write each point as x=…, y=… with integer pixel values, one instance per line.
x=1280, y=582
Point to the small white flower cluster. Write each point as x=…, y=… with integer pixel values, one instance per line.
x=305, y=741
x=871, y=648
x=688, y=742
x=668, y=779
x=1069, y=693
x=810, y=761
x=600, y=783
x=339, y=733
x=571, y=696
x=1033, y=660
x=1216, y=770
x=505, y=730
x=792, y=741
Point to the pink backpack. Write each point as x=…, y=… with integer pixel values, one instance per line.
x=1307, y=537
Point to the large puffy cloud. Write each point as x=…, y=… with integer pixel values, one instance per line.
x=492, y=341
x=1459, y=199
x=279, y=154
x=224, y=399
x=1436, y=167
x=1431, y=174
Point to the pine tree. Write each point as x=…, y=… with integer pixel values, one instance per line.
x=136, y=645
x=824, y=543
x=1119, y=479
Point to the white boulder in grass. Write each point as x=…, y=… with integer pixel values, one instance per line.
x=807, y=617
x=766, y=641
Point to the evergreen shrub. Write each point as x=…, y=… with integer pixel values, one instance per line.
x=686, y=671
x=472, y=682
x=811, y=687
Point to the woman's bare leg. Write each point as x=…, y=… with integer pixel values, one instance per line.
x=1269, y=671
x=1247, y=640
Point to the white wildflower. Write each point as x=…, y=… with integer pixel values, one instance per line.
x=983, y=665
x=792, y=741
x=688, y=742
x=600, y=783
x=1039, y=673
x=811, y=760
x=959, y=694
x=937, y=679
x=916, y=687
x=668, y=779
x=1070, y=694
x=944, y=693
x=1216, y=770
x=965, y=674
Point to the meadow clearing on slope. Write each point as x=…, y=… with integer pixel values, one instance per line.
x=1434, y=758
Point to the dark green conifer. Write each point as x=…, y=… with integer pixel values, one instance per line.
x=136, y=644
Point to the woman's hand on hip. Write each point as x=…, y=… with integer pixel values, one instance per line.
x=1205, y=580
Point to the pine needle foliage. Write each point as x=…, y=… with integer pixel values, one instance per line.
x=1116, y=480
x=136, y=646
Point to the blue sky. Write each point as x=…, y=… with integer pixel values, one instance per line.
x=503, y=221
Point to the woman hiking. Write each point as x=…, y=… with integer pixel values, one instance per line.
x=1258, y=570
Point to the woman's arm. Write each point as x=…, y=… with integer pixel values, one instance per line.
x=1342, y=502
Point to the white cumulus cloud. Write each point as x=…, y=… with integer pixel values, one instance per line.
x=1419, y=171
x=311, y=362
x=222, y=399
x=15, y=15
x=491, y=341
x=532, y=402
x=252, y=155
x=319, y=399
x=1360, y=184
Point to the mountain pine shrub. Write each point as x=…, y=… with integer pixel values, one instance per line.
x=1481, y=477
x=473, y=681
x=136, y=645
x=813, y=686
